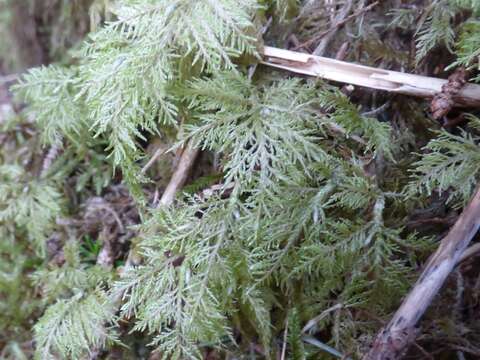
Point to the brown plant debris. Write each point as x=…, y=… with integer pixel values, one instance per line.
x=443, y=102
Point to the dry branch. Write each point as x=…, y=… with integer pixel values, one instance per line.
x=159, y=152
x=180, y=175
x=338, y=21
x=349, y=73
x=177, y=180
x=393, y=341
x=328, y=36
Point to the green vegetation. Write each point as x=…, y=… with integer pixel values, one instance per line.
x=307, y=242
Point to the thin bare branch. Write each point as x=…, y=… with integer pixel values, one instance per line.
x=340, y=20
x=180, y=175
x=159, y=152
x=328, y=36
x=177, y=180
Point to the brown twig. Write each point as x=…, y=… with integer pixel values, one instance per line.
x=338, y=129
x=446, y=221
x=340, y=21
x=177, y=180
x=313, y=322
x=423, y=351
x=342, y=51
x=393, y=341
x=337, y=22
x=180, y=175
x=159, y=152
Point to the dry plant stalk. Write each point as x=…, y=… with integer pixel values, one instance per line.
x=176, y=182
x=393, y=341
x=180, y=175
x=329, y=34
x=370, y=77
